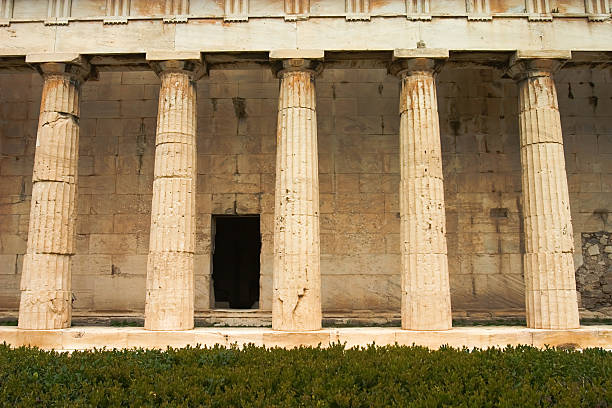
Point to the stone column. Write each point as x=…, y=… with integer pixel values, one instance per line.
x=550, y=283
x=296, y=304
x=424, y=265
x=46, y=296
x=170, y=270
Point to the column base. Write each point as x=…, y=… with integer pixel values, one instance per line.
x=45, y=309
x=168, y=309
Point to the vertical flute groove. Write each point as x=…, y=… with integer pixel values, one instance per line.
x=297, y=284
x=170, y=287
x=46, y=297
x=550, y=284
x=425, y=285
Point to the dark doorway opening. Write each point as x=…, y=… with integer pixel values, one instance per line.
x=237, y=245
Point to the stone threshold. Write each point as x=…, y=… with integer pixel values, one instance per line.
x=84, y=338
x=258, y=317
x=516, y=312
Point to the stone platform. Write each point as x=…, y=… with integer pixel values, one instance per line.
x=81, y=338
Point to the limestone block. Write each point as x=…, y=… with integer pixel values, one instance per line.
x=82, y=299
x=234, y=183
x=129, y=265
x=94, y=224
x=223, y=164
x=119, y=292
x=82, y=244
x=373, y=183
x=97, y=185
x=91, y=265
x=111, y=244
x=359, y=243
x=502, y=291
x=267, y=203
x=325, y=182
x=129, y=184
x=203, y=292
x=223, y=203
x=248, y=204
x=108, y=93
x=9, y=223
x=392, y=244
x=101, y=109
x=328, y=224
x=8, y=264
x=360, y=264
x=255, y=163
x=350, y=125
x=139, y=77
x=130, y=223
x=258, y=90
x=133, y=92
x=142, y=243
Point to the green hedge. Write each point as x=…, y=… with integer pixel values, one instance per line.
x=309, y=377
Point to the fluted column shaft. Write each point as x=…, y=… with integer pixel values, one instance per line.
x=46, y=297
x=550, y=284
x=170, y=269
x=297, y=276
x=425, y=303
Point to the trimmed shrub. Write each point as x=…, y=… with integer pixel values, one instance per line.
x=307, y=377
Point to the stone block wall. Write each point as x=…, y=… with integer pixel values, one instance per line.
x=585, y=102
x=19, y=107
x=359, y=175
x=481, y=162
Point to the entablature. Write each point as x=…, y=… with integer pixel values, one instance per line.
x=333, y=34
x=63, y=12
x=333, y=59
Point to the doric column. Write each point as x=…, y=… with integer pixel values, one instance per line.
x=170, y=270
x=424, y=264
x=296, y=304
x=46, y=297
x=550, y=284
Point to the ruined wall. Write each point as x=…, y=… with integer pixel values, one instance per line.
x=594, y=277
x=359, y=176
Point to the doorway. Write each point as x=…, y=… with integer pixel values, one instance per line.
x=235, y=272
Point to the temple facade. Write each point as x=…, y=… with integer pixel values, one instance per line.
x=297, y=159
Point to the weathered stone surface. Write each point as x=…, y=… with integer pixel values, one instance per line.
x=549, y=272
x=296, y=303
x=425, y=284
x=84, y=338
x=170, y=272
x=481, y=163
x=46, y=297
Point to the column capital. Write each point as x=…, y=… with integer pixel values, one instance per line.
x=187, y=62
x=72, y=65
x=527, y=64
x=407, y=61
x=296, y=60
